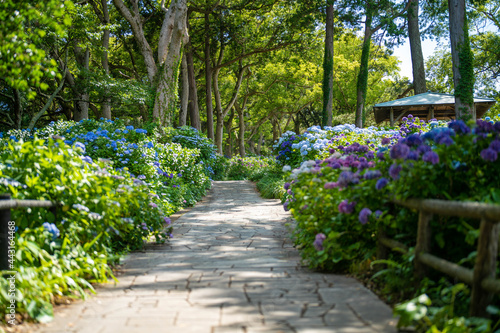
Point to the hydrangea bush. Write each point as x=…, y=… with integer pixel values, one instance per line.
x=340, y=199
x=101, y=211
x=292, y=149
x=115, y=186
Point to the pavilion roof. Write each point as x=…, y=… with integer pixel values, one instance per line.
x=442, y=106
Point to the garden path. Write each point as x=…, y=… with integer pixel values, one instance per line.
x=230, y=268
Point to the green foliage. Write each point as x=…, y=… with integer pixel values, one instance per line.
x=443, y=319
x=25, y=28
x=241, y=168
x=269, y=181
x=101, y=211
x=115, y=186
x=340, y=197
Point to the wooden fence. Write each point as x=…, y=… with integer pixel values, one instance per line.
x=5, y=217
x=482, y=277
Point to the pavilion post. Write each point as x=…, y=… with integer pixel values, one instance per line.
x=391, y=113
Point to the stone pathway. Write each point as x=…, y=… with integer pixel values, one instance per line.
x=230, y=268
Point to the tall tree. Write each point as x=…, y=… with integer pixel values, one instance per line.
x=163, y=73
x=462, y=58
x=417, y=57
x=208, y=79
x=384, y=14
x=328, y=68
x=103, y=13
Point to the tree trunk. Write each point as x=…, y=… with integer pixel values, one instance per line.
x=259, y=143
x=241, y=135
x=208, y=80
x=274, y=122
x=296, y=124
x=251, y=146
x=18, y=110
x=173, y=34
x=219, y=125
x=328, y=69
x=229, y=142
x=194, y=111
x=184, y=92
x=462, y=58
x=417, y=58
x=135, y=20
x=82, y=96
x=106, y=106
x=221, y=113
x=362, y=84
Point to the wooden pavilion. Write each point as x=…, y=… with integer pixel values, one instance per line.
x=426, y=106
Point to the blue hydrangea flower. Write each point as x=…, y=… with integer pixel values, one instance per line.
x=381, y=183
x=51, y=227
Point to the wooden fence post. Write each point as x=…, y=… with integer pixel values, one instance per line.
x=423, y=242
x=4, y=234
x=485, y=267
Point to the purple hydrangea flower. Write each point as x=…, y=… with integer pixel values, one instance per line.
x=381, y=155
x=446, y=140
x=330, y=185
x=414, y=140
x=459, y=127
x=287, y=186
x=495, y=145
x=422, y=149
x=345, y=207
x=386, y=141
x=363, y=215
x=345, y=178
x=372, y=174
x=399, y=150
x=285, y=206
x=381, y=183
x=413, y=155
x=318, y=242
x=489, y=155
x=431, y=157
x=394, y=171
x=152, y=204
x=167, y=220
x=377, y=213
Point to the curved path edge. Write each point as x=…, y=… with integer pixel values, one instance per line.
x=230, y=268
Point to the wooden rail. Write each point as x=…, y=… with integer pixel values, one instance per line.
x=5, y=217
x=482, y=277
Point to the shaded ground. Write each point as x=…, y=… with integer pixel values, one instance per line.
x=230, y=268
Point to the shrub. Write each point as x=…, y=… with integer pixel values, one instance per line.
x=102, y=210
x=116, y=186
x=342, y=198
x=241, y=168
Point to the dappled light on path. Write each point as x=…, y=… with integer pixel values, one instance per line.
x=230, y=268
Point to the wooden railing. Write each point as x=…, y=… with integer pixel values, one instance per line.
x=482, y=277
x=5, y=217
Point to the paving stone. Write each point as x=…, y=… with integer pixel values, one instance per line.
x=231, y=268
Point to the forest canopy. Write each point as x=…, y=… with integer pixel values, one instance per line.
x=243, y=72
